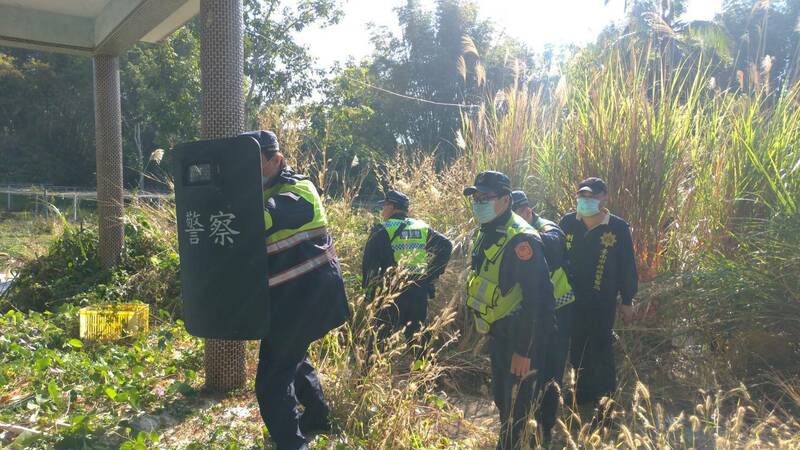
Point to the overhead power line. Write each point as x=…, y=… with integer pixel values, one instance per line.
x=408, y=97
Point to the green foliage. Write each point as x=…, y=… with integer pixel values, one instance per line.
x=279, y=69
x=46, y=105
x=70, y=271
x=743, y=307
x=160, y=108
x=74, y=391
x=46, y=118
x=406, y=96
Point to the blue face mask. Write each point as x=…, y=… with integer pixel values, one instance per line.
x=588, y=207
x=484, y=212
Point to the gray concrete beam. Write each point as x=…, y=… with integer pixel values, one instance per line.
x=117, y=27
x=41, y=30
x=133, y=19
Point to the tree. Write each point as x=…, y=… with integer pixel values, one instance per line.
x=280, y=70
x=411, y=93
x=160, y=92
x=767, y=46
x=46, y=118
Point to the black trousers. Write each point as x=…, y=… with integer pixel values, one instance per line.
x=592, y=352
x=284, y=380
x=556, y=360
x=409, y=311
x=514, y=398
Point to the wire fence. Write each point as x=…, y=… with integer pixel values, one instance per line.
x=74, y=202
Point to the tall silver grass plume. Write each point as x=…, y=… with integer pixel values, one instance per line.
x=766, y=64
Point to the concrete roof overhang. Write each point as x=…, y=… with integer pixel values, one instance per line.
x=90, y=27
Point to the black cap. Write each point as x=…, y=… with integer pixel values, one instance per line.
x=594, y=185
x=490, y=181
x=519, y=199
x=266, y=140
x=396, y=198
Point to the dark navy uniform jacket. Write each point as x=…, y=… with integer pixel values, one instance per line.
x=600, y=262
x=378, y=256
x=528, y=328
x=306, y=308
x=553, y=241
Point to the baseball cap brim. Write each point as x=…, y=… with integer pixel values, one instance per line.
x=587, y=189
x=471, y=190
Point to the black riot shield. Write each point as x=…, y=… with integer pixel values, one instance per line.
x=222, y=245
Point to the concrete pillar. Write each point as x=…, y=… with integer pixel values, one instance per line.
x=108, y=147
x=222, y=66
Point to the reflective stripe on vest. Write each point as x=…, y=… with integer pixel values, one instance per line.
x=562, y=290
x=484, y=296
x=409, y=246
x=302, y=268
x=291, y=241
x=306, y=190
x=282, y=240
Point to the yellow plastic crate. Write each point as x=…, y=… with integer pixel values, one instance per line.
x=114, y=321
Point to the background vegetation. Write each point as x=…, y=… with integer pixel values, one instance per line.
x=696, y=127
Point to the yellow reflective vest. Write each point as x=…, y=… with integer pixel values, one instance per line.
x=408, y=238
x=283, y=240
x=562, y=290
x=484, y=297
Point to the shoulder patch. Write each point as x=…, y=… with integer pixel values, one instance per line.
x=524, y=251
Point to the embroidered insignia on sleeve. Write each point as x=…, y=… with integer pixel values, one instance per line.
x=524, y=251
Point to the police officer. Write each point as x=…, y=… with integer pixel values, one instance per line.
x=511, y=298
x=601, y=268
x=307, y=300
x=554, y=245
x=418, y=250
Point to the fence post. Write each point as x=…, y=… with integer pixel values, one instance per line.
x=8, y=202
x=74, y=206
x=45, y=205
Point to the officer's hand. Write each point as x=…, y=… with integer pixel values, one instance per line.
x=626, y=311
x=520, y=365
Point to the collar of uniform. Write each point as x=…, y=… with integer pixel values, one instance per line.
x=606, y=217
x=286, y=176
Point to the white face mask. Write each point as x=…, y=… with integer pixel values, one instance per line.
x=484, y=212
x=588, y=207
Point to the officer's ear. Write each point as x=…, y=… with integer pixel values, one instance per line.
x=505, y=202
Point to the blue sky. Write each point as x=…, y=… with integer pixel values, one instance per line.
x=535, y=22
